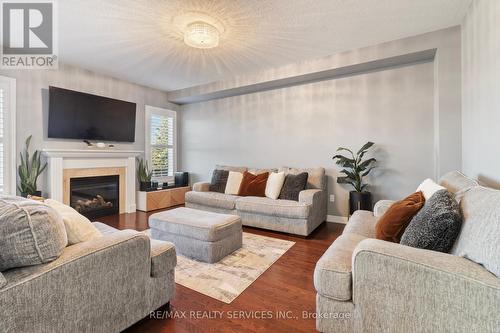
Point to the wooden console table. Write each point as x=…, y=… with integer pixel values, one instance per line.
x=147, y=201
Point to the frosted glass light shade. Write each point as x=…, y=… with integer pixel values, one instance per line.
x=201, y=35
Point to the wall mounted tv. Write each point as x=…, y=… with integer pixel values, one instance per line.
x=76, y=115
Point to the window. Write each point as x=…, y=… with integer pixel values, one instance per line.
x=161, y=142
x=7, y=135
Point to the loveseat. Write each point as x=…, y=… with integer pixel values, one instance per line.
x=369, y=285
x=295, y=217
x=101, y=285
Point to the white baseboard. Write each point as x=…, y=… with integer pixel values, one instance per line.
x=336, y=219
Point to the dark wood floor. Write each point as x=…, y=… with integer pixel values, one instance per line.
x=286, y=288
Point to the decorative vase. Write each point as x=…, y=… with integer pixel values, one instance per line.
x=359, y=201
x=144, y=186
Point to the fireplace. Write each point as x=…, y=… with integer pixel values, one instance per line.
x=95, y=196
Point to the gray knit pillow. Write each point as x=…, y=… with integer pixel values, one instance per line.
x=436, y=226
x=293, y=185
x=219, y=181
x=31, y=233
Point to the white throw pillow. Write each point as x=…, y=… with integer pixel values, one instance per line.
x=78, y=227
x=429, y=187
x=233, y=182
x=274, y=184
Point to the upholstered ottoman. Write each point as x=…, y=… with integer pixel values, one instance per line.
x=201, y=235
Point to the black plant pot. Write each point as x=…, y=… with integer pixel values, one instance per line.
x=36, y=193
x=359, y=201
x=148, y=186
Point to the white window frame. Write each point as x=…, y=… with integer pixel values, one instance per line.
x=153, y=110
x=10, y=153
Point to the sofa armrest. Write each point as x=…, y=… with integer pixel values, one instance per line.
x=449, y=293
x=381, y=207
x=310, y=196
x=163, y=258
x=201, y=187
x=3, y=282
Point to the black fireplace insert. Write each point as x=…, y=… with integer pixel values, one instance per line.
x=95, y=196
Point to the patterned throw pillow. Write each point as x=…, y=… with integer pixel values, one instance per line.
x=293, y=185
x=219, y=181
x=436, y=226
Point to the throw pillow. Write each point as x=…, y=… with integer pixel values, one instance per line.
x=253, y=185
x=219, y=181
x=478, y=239
x=31, y=233
x=233, y=182
x=274, y=185
x=429, y=187
x=293, y=185
x=392, y=224
x=436, y=226
x=78, y=227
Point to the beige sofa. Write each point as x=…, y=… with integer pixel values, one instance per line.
x=368, y=285
x=294, y=217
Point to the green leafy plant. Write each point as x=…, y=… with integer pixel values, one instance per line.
x=143, y=172
x=354, y=167
x=29, y=170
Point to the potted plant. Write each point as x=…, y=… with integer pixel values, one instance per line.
x=29, y=170
x=144, y=175
x=354, y=169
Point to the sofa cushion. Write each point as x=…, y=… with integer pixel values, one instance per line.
x=392, y=224
x=457, y=183
x=274, y=184
x=233, y=182
x=362, y=222
x=279, y=208
x=428, y=187
x=436, y=225
x=478, y=239
x=253, y=185
x=212, y=199
x=195, y=224
x=333, y=272
x=293, y=185
x=316, y=176
x=219, y=181
x=78, y=227
x=31, y=233
x=3, y=281
x=231, y=168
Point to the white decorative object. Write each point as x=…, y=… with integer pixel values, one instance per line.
x=101, y=145
x=78, y=227
x=60, y=159
x=429, y=187
x=274, y=184
x=233, y=182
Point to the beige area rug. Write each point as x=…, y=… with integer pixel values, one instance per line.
x=228, y=278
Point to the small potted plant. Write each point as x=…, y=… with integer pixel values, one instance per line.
x=144, y=175
x=29, y=170
x=354, y=169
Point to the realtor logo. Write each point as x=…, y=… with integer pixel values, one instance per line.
x=28, y=38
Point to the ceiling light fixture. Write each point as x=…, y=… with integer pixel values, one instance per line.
x=201, y=35
x=198, y=29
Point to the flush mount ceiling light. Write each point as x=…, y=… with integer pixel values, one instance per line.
x=199, y=30
x=201, y=35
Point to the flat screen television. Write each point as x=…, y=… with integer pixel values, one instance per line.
x=77, y=115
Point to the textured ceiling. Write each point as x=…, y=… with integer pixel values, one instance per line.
x=135, y=40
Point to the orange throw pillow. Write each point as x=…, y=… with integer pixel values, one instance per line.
x=392, y=224
x=253, y=185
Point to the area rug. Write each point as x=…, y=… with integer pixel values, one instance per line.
x=228, y=278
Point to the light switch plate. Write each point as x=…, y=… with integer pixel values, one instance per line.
x=332, y=198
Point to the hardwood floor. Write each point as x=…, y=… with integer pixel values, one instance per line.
x=286, y=288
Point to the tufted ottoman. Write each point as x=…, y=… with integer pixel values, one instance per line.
x=201, y=235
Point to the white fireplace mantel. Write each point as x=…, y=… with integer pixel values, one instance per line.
x=60, y=159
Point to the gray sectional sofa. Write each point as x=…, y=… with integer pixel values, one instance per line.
x=103, y=285
x=294, y=217
x=369, y=285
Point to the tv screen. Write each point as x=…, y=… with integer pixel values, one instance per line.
x=76, y=115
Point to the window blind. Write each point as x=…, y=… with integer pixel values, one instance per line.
x=162, y=130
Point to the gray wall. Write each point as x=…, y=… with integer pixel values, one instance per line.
x=413, y=113
x=303, y=125
x=481, y=92
x=32, y=102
